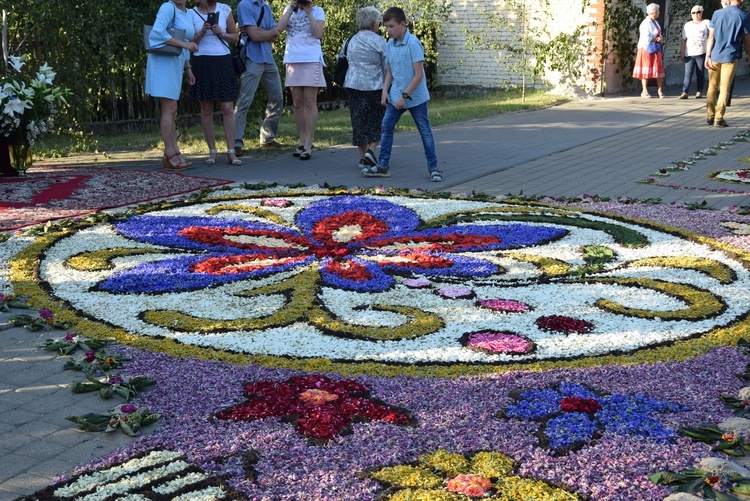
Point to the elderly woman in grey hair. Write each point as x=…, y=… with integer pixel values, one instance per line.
x=649, y=64
x=364, y=84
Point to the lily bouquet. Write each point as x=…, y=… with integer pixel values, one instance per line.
x=28, y=100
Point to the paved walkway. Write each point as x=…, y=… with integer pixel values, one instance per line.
x=597, y=146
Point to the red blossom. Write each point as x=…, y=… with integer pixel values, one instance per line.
x=568, y=325
x=319, y=407
x=578, y=404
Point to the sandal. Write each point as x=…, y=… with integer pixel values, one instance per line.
x=233, y=161
x=301, y=149
x=183, y=161
x=305, y=155
x=167, y=162
x=211, y=160
x=376, y=171
x=436, y=176
x=661, y=94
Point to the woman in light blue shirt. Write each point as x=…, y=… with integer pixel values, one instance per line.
x=164, y=74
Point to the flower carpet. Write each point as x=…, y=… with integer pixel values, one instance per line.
x=318, y=343
x=46, y=193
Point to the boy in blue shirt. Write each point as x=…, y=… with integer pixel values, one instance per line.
x=405, y=88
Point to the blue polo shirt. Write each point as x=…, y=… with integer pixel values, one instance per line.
x=248, y=12
x=400, y=57
x=729, y=24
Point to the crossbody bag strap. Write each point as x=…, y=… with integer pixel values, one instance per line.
x=220, y=39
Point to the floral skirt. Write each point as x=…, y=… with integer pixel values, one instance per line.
x=648, y=65
x=367, y=115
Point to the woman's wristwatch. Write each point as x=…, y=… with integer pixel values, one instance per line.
x=405, y=95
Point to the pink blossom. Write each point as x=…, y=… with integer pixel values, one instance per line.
x=507, y=305
x=470, y=485
x=499, y=342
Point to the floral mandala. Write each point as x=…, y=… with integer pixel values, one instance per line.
x=311, y=278
x=448, y=476
x=319, y=408
x=737, y=176
x=571, y=415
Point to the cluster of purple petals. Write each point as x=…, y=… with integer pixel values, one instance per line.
x=704, y=222
x=455, y=414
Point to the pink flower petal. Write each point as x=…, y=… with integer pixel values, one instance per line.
x=499, y=342
x=506, y=305
x=417, y=283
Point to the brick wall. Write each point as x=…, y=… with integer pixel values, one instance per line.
x=458, y=66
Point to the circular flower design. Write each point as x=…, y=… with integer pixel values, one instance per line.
x=571, y=415
x=499, y=342
x=354, y=279
x=485, y=475
x=318, y=407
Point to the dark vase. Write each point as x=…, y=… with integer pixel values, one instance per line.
x=6, y=168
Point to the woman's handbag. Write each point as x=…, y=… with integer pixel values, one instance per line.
x=653, y=47
x=342, y=65
x=166, y=50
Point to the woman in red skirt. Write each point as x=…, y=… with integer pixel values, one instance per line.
x=648, y=61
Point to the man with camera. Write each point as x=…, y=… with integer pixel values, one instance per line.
x=259, y=27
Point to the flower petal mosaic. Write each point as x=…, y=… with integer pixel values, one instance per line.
x=332, y=345
x=395, y=280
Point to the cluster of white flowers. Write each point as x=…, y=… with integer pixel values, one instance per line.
x=28, y=104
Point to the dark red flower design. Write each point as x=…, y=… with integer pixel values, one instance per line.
x=568, y=325
x=318, y=407
x=579, y=404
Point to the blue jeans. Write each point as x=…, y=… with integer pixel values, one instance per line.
x=694, y=64
x=255, y=73
x=422, y=120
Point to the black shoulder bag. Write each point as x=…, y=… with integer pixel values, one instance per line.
x=342, y=65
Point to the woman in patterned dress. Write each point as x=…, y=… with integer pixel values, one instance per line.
x=648, y=65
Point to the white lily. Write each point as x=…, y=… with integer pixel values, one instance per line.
x=17, y=62
x=16, y=106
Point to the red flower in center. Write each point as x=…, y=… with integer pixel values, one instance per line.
x=579, y=404
x=317, y=406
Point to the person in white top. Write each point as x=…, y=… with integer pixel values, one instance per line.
x=365, y=52
x=693, y=50
x=215, y=80
x=303, y=58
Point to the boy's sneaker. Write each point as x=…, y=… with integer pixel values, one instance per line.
x=370, y=158
x=362, y=164
x=376, y=171
x=435, y=176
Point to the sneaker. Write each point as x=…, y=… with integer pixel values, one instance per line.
x=710, y=121
x=376, y=171
x=436, y=176
x=683, y=95
x=370, y=158
x=721, y=123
